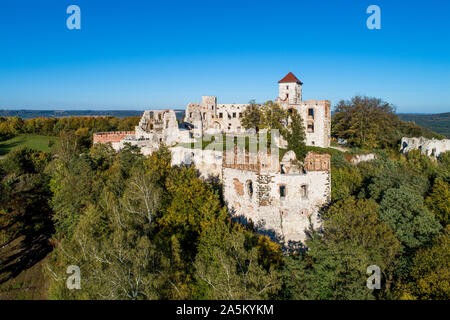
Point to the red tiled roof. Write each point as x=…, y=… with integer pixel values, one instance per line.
x=290, y=78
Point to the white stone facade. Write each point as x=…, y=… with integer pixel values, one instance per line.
x=429, y=147
x=281, y=205
x=210, y=117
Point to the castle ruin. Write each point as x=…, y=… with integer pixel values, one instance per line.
x=281, y=198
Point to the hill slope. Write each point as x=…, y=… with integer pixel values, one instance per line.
x=439, y=123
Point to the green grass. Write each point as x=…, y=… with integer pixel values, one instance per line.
x=36, y=142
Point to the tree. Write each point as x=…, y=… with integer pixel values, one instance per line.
x=345, y=182
x=193, y=207
x=393, y=174
x=252, y=117
x=403, y=210
x=357, y=222
x=72, y=185
x=430, y=274
x=439, y=201
x=24, y=196
x=365, y=122
x=295, y=135
x=328, y=271
x=117, y=261
x=228, y=265
x=274, y=118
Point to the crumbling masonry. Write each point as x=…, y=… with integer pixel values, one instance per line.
x=281, y=198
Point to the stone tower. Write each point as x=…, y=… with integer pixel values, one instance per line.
x=290, y=89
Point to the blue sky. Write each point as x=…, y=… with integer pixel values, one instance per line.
x=138, y=54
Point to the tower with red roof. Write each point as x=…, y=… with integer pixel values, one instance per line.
x=290, y=89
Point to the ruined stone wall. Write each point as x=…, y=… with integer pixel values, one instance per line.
x=157, y=126
x=317, y=162
x=215, y=118
x=207, y=162
x=284, y=219
x=429, y=147
x=358, y=158
x=281, y=205
x=116, y=136
x=316, y=115
x=225, y=118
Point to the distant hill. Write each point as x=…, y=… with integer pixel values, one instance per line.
x=439, y=123
x=27, y=114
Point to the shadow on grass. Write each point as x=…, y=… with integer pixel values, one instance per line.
x=22, y=254
x=6, y=147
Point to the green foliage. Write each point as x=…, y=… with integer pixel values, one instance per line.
x=358, y=222
x=227, y=264
x=252, y=117
x=37, y=132
x=268, y=116
x=403, y=210
x=345, y=182
x=371, y=123
x=364, y=122
x=429, y=278
x=431, y=269
x=393, y=174
x=438, y=201
x=193, y=207
x=328, y=271
x=274, y=117
x=295, y=135
x=23, y=195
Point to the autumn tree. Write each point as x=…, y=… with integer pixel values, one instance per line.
x=439, y=201
x=364, y=122
x=429, y=277
x=228, y=265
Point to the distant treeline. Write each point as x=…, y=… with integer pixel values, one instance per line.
x=439, y=123
x=27, y=114
x=12, y=126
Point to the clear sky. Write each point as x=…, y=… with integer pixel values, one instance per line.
x=136, y=54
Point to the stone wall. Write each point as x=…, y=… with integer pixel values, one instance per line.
x=429, y=147
x=281, y=205
x=284, y=217
x=358, y=158
x=215, y=118
x=207, y=162
x=116, y=136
